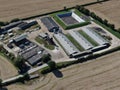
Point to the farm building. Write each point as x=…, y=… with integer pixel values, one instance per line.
x=50, y=24
x=19, y=38
x=43, y=35
x=95, y=36
x=9, y=26
x=26, y=25
x=66, y=44
x=100, y=47
x=70, y=18
x=33, y=55
x=81, y=40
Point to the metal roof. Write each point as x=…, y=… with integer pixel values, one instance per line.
x=81, y=40
x=32, y=55
x=11, y=25
x=20, y=37
x=95, y=36
x=49, y=23
x=66, y=44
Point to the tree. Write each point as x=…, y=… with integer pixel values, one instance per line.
x=52, y=64
x=77, y=7
x=19, y=62
x=118, y=30
x=0, y=82
x=15, y=20
x=65, y=8
x=46, y=58
x=106, y=22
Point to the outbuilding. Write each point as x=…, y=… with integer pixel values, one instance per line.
x=50, y=24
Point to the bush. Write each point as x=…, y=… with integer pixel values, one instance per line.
x=0, y=82
x=46, y=58
x=15, y=20
x=52, y=65
x=46, y=70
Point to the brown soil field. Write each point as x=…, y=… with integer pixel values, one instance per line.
x=7, y=70
x=108, y=10
x=98, y=74
x=10, y=9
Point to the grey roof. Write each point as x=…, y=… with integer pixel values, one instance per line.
x=66, y=44
x=81, y=40
x=20, y=37
x=43, y=35
x=35, y=59
x=26, y=25
x=32, y=55
x=95, y=36
x=11, y=25
x=49, y=23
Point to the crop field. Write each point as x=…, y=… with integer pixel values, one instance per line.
x=10, y=9
x=98, y=74
x=108, y=10
x=7, y=70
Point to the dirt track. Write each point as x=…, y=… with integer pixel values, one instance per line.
x=10, y=9
x=99, y=74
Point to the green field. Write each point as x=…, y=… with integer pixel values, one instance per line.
x=63, y=25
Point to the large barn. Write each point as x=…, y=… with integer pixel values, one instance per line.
x=50, y=24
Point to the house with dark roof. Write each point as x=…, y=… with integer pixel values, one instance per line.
x=50, y=24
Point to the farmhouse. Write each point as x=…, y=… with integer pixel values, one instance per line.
x=81, y=40
x=50, y=24
x=66, y=44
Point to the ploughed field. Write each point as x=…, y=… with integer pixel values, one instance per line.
x=98, y=74
x=7, y=70
x=108, y=10
x=10, y=9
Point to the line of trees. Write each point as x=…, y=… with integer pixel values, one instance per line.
x=94, y=16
